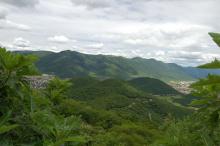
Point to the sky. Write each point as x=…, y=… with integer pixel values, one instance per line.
x=174, y=31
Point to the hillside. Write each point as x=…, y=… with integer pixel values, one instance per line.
x=153, y=86
x=126, y=98
x=69, y=64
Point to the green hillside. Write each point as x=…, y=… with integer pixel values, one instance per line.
x=125, y=98
x=37, y=53
x=68, y=64
x=153, y=86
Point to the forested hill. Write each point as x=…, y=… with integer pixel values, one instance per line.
x=68, y=64
x=153, y=86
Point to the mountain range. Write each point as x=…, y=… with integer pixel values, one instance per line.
x=68, y=64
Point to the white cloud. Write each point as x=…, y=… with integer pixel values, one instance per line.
x=93, y=3
x=21, y=3
x=59, y=39
x=7, y=24
x=145, y=28
x=21, y=42
x=168, y=35
x=95, y=45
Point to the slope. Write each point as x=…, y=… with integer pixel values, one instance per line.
x=69, y=64
x=153, y=86
x=124, y=99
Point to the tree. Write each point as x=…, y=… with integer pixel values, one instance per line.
x=20, y=124
x=56, y=130
x=13, y=69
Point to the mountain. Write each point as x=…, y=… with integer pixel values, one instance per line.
x=37, y=53
x=200, y=73
x=68, y=64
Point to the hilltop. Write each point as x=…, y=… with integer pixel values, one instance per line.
x=68, y=64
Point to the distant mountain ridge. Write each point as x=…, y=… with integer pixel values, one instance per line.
x=200, y=73
x=68, y=64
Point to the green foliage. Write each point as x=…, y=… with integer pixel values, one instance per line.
x=208, y=90
x=216, y=63
x=56, y=129
x=32, y=117
x=125, y=98
x=194, y=130
x=215, y=37
x=153, y=86
x=213, y=65
x=130, y=135
x=13, y=69
x=57, y=90
x=4, y=127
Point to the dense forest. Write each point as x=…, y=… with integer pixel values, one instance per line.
x=86, y=111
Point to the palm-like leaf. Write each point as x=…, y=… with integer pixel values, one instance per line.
x=13, y=67
x=4, y=126
x=57, y=130
x=216, y=63
x=215, y=37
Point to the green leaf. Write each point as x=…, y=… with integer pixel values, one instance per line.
x=207, y=140
x=200, y=102
x=77, y=139
x=216, y=63
x=4, y=128
x=5, y=118
x=215, y=37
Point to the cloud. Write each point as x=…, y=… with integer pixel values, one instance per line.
x=145, y=28
x=93, y=3
x=3, y=14
x=7, y=24
x=21, y=3
x=168, y=35
x=95, y=45
x=191, y=58
x=59, y=39
x=21, y=43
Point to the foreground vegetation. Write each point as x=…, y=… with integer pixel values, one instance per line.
x=90, y=112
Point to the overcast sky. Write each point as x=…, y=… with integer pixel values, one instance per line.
x=167, y=30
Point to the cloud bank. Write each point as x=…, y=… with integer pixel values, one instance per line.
x=168, y=30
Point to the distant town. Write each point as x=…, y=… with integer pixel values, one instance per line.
x=182, y=86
